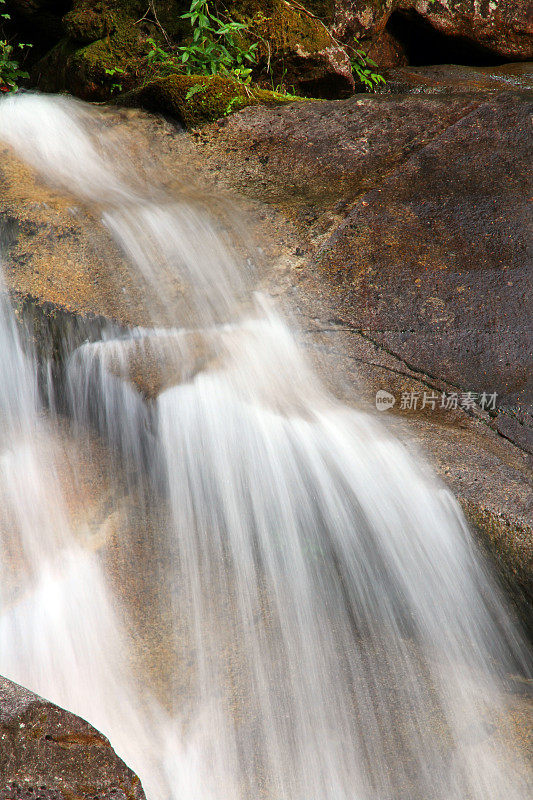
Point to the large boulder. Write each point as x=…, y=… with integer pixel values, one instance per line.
x=320, y=155
x=502, y=27
x=403, y=247
x=436, y=262
x=297, y=48
x=420, y=208
x=48, y=752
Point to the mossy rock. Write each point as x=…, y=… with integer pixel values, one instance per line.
x=197, y=99
x=106, y=47
x=282, y=26
x=296, y=47
x=102, y=38
x=86, y=25
x=85, y=71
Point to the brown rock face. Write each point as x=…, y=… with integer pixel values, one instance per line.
x=504, y=27
x=450, y=78
x=397, y=32
x=436, y=262
x=51, y=754
x=326, y=153
x=361, y=18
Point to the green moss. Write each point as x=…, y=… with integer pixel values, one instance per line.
x=82, y=70
x=197, y=99
x=122, y=47
x=111, y=34
x=86, y=25
x=281, y=28
x=285, y=37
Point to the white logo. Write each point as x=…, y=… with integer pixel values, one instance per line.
x=384, y=400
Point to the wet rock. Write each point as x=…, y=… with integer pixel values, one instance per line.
x=326, y=153
x=508, y=542
x=442, y=182
x=435, y=262
x=50, y=753
x=450, y=78
x=55, y=253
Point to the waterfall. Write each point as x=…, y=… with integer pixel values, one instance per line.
x=326, y=629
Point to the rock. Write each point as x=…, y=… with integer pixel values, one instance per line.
x=326, y=153
x=97, y=44
x=363, y=23
x=297, y=48
x=400, y=32
x=435, y=263
x=509, y=545
x=52, y=250
x=360, y=19
x=448, y=78
x=50, y=753
x=503, y=28
x=86, y=26
x=407, y=200
x=196, y=99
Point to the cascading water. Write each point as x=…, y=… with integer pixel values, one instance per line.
x=331, y=633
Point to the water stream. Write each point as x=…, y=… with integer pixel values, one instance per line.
x=317, y=622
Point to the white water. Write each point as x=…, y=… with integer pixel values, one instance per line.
x=332, y=634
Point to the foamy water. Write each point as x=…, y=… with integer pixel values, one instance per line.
x=332, y=635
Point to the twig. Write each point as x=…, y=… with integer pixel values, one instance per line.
x=151, y=8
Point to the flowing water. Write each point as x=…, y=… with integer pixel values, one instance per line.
x=324, y=627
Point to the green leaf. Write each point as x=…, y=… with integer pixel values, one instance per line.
x=196, y=89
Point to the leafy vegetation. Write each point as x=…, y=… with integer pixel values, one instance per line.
x=365, y=70
x=11, y=72
x=216, y=48
x=115, y=71
x=211, y=43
